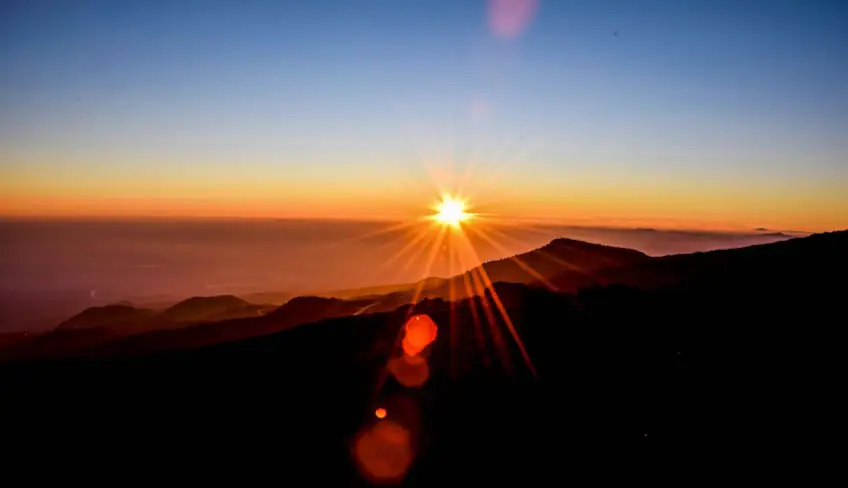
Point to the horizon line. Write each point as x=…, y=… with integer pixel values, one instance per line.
x=534, y=221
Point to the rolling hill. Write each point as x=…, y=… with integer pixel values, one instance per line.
x=731, y=355
x=205, y=309
x=564, y=265
x=107, y=316
x=572, y=262
x=207, y=320
x=95, y=326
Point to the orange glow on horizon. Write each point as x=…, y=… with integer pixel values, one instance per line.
x=499, y=184
x=594, y=204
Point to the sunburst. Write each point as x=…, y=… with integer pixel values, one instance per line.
x=451, y=211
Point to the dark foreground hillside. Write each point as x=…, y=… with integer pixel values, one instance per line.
x=729, y=370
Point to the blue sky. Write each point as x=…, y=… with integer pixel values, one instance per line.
x=693, y=93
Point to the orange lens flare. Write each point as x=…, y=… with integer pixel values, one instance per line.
x=384, y=452
x=380, y=413
x=410, y=371
x=421, y=331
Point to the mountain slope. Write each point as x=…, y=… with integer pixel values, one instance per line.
x=217, y=307
x=573, y=262
x=580, y=265
x=735, y=358
x=158, y=337
x=95, y=326
x=109, y=315
x=561, y=255
x=778, y=260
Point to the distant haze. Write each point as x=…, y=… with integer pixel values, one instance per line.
x=50, y=269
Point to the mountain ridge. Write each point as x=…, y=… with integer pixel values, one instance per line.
x=646, y=273
x=735, y=358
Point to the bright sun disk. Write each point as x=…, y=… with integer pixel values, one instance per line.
x=451, y=211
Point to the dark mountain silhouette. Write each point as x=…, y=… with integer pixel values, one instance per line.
x=95, y=326
x=218, y=307
x=731, y=352
x=157, y=335
x=561, y=255
x=305, y=309
x=91, y=327
x=561, y=258
x=273, y=298
x=763, y=259
x=572, y=262
x=126, y=316
x=295, y=312
x=657, y=242
x=107, y=316
x=564, y=265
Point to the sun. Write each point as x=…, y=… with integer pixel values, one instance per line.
x=451, y=211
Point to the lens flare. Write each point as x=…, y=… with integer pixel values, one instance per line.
x=420, y=332
x=380, y=413
x=384, y=452
x=451, y=211
x=409, y=371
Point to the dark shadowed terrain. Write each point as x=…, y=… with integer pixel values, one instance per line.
x=693, y=361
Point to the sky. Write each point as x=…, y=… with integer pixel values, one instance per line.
x=685, y=113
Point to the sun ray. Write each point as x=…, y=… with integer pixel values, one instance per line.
x=421, y=234
x=507, y=321
x=547, y=255
x=562, y=262
x=526, y=267
x=428, y=232
x=505, y=235
x=475, y=317
x=395, y=227
x=395, y=256
x=494, y=327
x=519, y=244
x=403, y=230
x=434, y=249
x=479, y=293
x=452, y=304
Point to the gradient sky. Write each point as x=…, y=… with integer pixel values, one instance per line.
x=730, y=114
